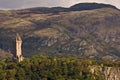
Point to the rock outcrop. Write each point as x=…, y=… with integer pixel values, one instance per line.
x=111, y=73
x=107, y=73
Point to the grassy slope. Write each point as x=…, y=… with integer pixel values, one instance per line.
x=91, y=33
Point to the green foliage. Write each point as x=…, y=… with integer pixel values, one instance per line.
x=52, y=68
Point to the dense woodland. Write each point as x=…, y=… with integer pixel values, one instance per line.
x=52, y=68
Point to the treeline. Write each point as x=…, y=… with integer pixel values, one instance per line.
x=52, y=68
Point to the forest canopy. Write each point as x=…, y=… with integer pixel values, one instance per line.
x=53, y=68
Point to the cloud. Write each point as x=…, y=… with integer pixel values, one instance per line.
x=16, y=4
x=72, y=2
x=9, y=4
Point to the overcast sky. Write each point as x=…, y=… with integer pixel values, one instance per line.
x=17, y=4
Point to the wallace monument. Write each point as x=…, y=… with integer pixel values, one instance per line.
x=17, y=49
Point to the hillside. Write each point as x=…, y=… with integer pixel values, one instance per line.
x=76, y=31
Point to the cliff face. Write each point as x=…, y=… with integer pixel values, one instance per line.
x=107, y=73
x=111, y=73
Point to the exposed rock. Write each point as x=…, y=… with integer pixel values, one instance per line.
x=108, y=73
x=112, y=73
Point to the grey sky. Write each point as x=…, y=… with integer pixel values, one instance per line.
x=17, y=4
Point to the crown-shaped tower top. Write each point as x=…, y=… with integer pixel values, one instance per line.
x=18, y=38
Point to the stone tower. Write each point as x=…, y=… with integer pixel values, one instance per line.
x=18, y=48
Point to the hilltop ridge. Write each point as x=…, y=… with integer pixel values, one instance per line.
x=76, y=7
